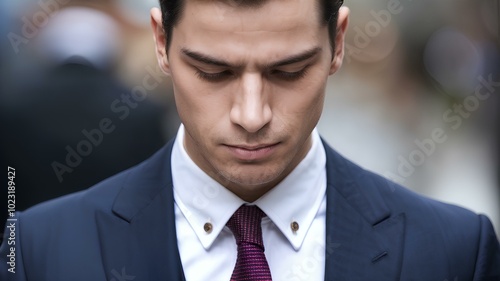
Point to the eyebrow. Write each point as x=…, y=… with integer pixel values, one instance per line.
x=206, y=59
x=295, y=58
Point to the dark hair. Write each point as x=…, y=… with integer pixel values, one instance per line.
x=172, y=11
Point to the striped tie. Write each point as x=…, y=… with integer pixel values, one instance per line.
x=251, y=264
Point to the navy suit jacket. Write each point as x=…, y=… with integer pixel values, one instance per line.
x=124, y=229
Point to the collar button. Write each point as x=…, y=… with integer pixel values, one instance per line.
x=208, y=227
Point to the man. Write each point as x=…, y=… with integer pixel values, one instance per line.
x=248, y=190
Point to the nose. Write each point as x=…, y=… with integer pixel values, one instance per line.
x=251, y=108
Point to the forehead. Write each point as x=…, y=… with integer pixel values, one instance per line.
x=226, y=28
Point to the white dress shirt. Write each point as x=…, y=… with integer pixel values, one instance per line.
x=201, y=204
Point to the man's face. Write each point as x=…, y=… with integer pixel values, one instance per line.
x=249, y=85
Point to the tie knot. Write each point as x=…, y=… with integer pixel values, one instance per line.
x=245, y=225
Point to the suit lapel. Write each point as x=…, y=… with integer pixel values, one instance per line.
x=138, y=241
x=364, y=239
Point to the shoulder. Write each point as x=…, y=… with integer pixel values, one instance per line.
x=64, y=230
x=69, y=229
x=396, y=198
x=73, y=209
x=434, y=231
x=80, y=208
x=419, y=209
x=424, y=216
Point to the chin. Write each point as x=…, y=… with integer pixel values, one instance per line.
x=253, y=179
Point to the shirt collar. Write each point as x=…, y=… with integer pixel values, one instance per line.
x=202, y=200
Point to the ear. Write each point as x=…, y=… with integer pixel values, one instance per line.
x=160, y=40
x=342, y=23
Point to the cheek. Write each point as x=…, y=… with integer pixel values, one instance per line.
x=189, y=107
x=192, y=99
x=313, y=94
x=201, y=108
x=303, y=104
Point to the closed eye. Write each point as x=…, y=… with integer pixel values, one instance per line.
x=289, y=76
x=214, y=77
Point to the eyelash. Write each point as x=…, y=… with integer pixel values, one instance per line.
x=219, y=76
x=213, y=77
x=291, y=76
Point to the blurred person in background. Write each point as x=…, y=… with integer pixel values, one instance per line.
x=68, y=120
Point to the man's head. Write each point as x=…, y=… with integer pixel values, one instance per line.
x=249, y=83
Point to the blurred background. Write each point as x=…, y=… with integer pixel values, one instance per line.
x=416, y=100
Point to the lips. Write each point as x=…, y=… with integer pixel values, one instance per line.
x=254, y=147
x=252, y=152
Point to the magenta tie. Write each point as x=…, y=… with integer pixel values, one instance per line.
x=251, y=263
